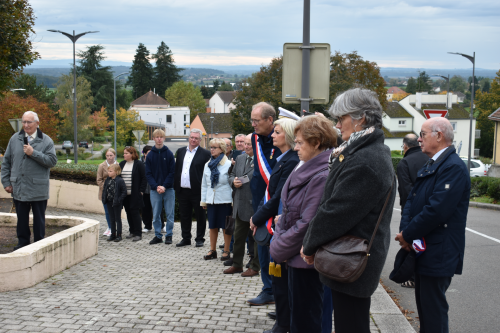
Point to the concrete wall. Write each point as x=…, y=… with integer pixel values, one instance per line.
x=38, y=261
x=394, y=143
x=393, y=124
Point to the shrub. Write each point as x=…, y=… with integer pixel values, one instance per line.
x=494, y=189
x=99, y=139
x=481, y=186
x=395, y=162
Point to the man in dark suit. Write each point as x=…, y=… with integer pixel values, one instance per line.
x=187, y=184
x=408, y=167
x=242, y=210
x=436, y=210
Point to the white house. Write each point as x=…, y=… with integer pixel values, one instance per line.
x=222, y=102
x=156, y=112
x=407, y=116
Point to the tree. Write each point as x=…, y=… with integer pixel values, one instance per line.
x=16, y=50
x=142, y=72
x=13, y=106
x=457, y=84
x=84, y=102
x=185, y=94
x=216, y=85
x=485, y=84
x=99, y=122
x=100, y=77
x=486, y=103
x=476, y=84
x=128, y=121
x=411, y=88
x=423, y=82
x=205, y=91
x=39, y=91
x=225, y=87
x=166, y=72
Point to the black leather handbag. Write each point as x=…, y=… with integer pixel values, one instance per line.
x=262, y=236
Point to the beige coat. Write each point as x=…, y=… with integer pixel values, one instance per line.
x=102, y=174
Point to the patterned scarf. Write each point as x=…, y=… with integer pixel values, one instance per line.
x=212, y=165
x=354, y=136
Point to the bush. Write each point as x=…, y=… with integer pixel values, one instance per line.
x=481, y=186
x=395, y=162
x=494, y=189
x=99, y=139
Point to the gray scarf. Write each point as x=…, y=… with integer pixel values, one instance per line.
x=354, y=136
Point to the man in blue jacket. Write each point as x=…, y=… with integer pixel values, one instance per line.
x=160, y=169
x=436, y=211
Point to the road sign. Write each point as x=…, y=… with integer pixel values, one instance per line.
x=17, y=124
x=435, y=113
x=319, y=90
x=138, y=134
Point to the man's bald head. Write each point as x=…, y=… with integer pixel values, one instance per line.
x=410, y=141
x=440, y=124
x=436, y=134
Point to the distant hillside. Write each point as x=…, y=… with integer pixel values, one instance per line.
x=201, y=71
x=407, y=72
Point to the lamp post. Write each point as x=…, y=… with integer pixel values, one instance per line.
x=473, y=60
x=114, y=102
x=447, y=80
x=74, y=38
x=212, y=125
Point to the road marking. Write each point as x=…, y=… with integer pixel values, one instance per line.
x=474, y=231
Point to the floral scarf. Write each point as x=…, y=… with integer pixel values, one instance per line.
x=354, y=136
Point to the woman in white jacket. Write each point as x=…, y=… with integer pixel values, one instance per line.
x=216, y=196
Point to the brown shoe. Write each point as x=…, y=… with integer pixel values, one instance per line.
x=233, y=270
x=249, y=273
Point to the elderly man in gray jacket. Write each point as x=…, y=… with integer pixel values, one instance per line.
x=25, y=174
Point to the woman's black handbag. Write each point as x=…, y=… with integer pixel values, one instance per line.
x=262, y=236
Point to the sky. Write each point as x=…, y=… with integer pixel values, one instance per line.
x=391, y=33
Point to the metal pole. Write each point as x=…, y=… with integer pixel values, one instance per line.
x=448, y=91
x=471, y=108
x=75, y=149
x=114, y=108
x=306, y=58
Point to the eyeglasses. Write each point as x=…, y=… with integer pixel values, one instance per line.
x=25, y=122
x=339, y=120
x=196, y=139
x=422, y=133
x=255, y=121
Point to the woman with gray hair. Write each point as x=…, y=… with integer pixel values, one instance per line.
x=360, y=178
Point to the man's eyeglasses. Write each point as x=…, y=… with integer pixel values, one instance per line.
x=25, y=122
x=255, y=121
x=422, y=133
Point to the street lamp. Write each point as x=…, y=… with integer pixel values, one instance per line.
x=447, y=80
x=114, y=101
x=212, y=130
x=473, y=60
x=74, y=38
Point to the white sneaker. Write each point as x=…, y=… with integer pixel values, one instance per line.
x=164, y=229
x=145, y=230
x=107, y=232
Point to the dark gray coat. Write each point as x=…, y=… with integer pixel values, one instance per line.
x=355, y=192
x=242, y=201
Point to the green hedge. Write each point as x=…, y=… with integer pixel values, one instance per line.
x=481, y=186
x=395, y=162
x=99, y=139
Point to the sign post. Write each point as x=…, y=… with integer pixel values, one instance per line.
x=138, y=135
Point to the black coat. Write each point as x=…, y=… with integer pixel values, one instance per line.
x=407, y=172
x=201, y=157
x=139, y=184
x=278, y=178
x=120, y=191
x=355, y=192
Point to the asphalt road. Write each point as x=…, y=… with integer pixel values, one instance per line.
x=474, y=296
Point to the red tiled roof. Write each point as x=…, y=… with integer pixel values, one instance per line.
x=495, y=116
x=150, y=98
x=395, y=90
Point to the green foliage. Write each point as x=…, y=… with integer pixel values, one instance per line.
x=411, y=87
x=166, y=72
x=76, y=171
x=185, y=94
x=225, y=87
x=142, y=72
x=39, y=91
x=99, y=139
x=205, y=91
x=16, y=50
x=481, y=186
x=486, y=103
x=423, y=83
x=395, y=162
x=457, y=84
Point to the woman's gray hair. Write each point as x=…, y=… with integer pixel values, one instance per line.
x=35, y=116
x=288, y=126
x=357, y=103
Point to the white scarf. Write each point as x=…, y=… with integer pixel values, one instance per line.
x=354, y=136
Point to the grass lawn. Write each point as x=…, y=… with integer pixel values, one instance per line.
x=97, y=147
x=81, y=161
x=484, y=199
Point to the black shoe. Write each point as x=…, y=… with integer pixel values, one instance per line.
x=111, y=238
x=168, y=240
x=17, y=247
x=199, y=243
x=221, y=246
x=129, y=236
x=183, y=242
x=136, y=238
x=272, y=315
x=118, y=238
x=155, y=240
x=249, y=261
x=228, y=262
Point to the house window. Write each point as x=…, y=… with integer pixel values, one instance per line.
x=454, y=125
x=185, y=117
x=169, y=118
x=402, y=123
x=184, y=131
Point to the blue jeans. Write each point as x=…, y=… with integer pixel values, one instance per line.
x=107, y=215
x=264, y=269
x=158, y=201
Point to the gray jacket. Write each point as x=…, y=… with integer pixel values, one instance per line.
x=29, y=175
x=242, y=202
x=355, y=192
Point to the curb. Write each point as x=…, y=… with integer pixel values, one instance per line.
x=387, y=315
x=484, y=205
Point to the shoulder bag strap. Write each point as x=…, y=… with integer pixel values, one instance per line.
x=380, y=217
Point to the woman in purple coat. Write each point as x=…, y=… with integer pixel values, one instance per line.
x=301, y=195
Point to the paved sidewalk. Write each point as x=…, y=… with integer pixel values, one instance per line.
x=137, y=287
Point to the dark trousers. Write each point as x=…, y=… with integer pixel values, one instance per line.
x=430, y=294
x=115, y=218
x=240, y=235
x=326, y=324
x=23, y=220
x=188, y=202
x=250, y=243
x=133, y=218
x=280, y=291
x=350, y=314
x=147, y=212
x=305, y=294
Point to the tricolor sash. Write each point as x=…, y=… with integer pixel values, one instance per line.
x=265, y=172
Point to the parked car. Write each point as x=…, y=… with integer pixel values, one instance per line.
x=67, y=145
x=477, y=168
x=83, y=144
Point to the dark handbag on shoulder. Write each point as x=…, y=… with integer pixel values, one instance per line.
x=262, y=236
x=344, y=259
x=229, y=225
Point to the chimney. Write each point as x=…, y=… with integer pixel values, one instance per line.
x=418, y=101
x=449, y=101
x=154, y=90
